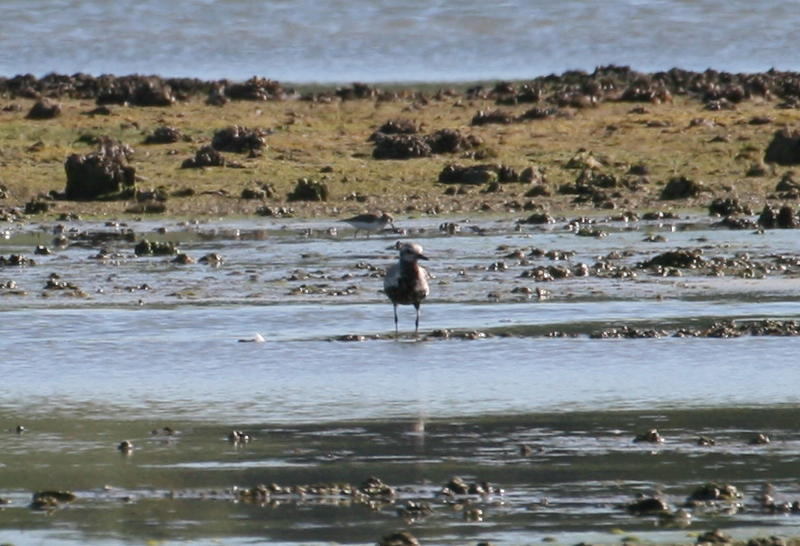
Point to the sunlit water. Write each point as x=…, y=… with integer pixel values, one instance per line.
x=143, y=343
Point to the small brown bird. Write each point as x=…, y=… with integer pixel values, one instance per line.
x=370, y=222
x=406, y=282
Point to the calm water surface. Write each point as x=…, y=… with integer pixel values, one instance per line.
x=140, y=343
x=390, y=40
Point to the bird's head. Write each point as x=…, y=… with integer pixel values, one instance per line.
x=411, y=252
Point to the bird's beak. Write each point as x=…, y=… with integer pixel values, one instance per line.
x=422, y=257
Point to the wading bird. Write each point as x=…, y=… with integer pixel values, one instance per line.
x=406, y=282
x=370, y=222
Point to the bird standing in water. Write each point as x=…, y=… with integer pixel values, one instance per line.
x=406, y=282
x=370, y=222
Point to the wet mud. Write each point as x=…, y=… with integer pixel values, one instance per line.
x=599, y=477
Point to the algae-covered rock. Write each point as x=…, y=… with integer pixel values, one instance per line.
x=154, y=248
x=104, y=173
x=44, y=109
x=165, y=135
x=784, y=148
x=50, y=500
x=713, y=491
x=206, y=156
x=238, y=139
x=308, y=190
x=680, y=187
x=398, y=538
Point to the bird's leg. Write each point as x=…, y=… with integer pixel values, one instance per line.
x=416, y=330
x=396, y=334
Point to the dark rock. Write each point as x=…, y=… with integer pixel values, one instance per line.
x=164, y=135
x=401, y=146
x=540, y=113
x=767, y=541
x=644, y=90
x=183, y=192
x=472, y=175
x=154, y=248
x=212, y=259
x=781, y=218
x=50, y=500
x=104, y=173
x=99, y=111
x=16, y=260
x=714, y=537
x=538, y=190
x=204, y=157
x=639, y=169
x=680, y=187
x=407, y=146
x=647, y=506
x=36, y=207
x=786, y=217
x=456, y=486
x=538, y=218
x=712, y=492
x=651, y=436
x=477, y=174
x=784, y=149
x=238, y=139
x=263, y=191
x=275, y=212
x=44, y=109
x=788, y=183
x=308, y=190
x=135, y=90
x=756, y=170
x=398, y=127
x=451, y=141
x=681, y=259
x=497, y=116
x=734, y=222
x=183, y=259
x=727, y=206
x=374, y=487
x=254, y=89
x=415, y=510
x=357, y=91
x=398, y=538
x=530, y=175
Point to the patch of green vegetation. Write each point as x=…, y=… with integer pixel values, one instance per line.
x=329, y=142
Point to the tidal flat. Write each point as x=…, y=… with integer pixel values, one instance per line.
x=607, y=369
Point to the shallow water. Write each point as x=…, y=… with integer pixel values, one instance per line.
x=391, y=40
x=141, y=343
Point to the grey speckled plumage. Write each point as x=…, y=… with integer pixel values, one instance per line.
x=370, y=222
x=406, y=282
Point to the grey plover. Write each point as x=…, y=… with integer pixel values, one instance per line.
x=406, y=282
x=370, y=222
